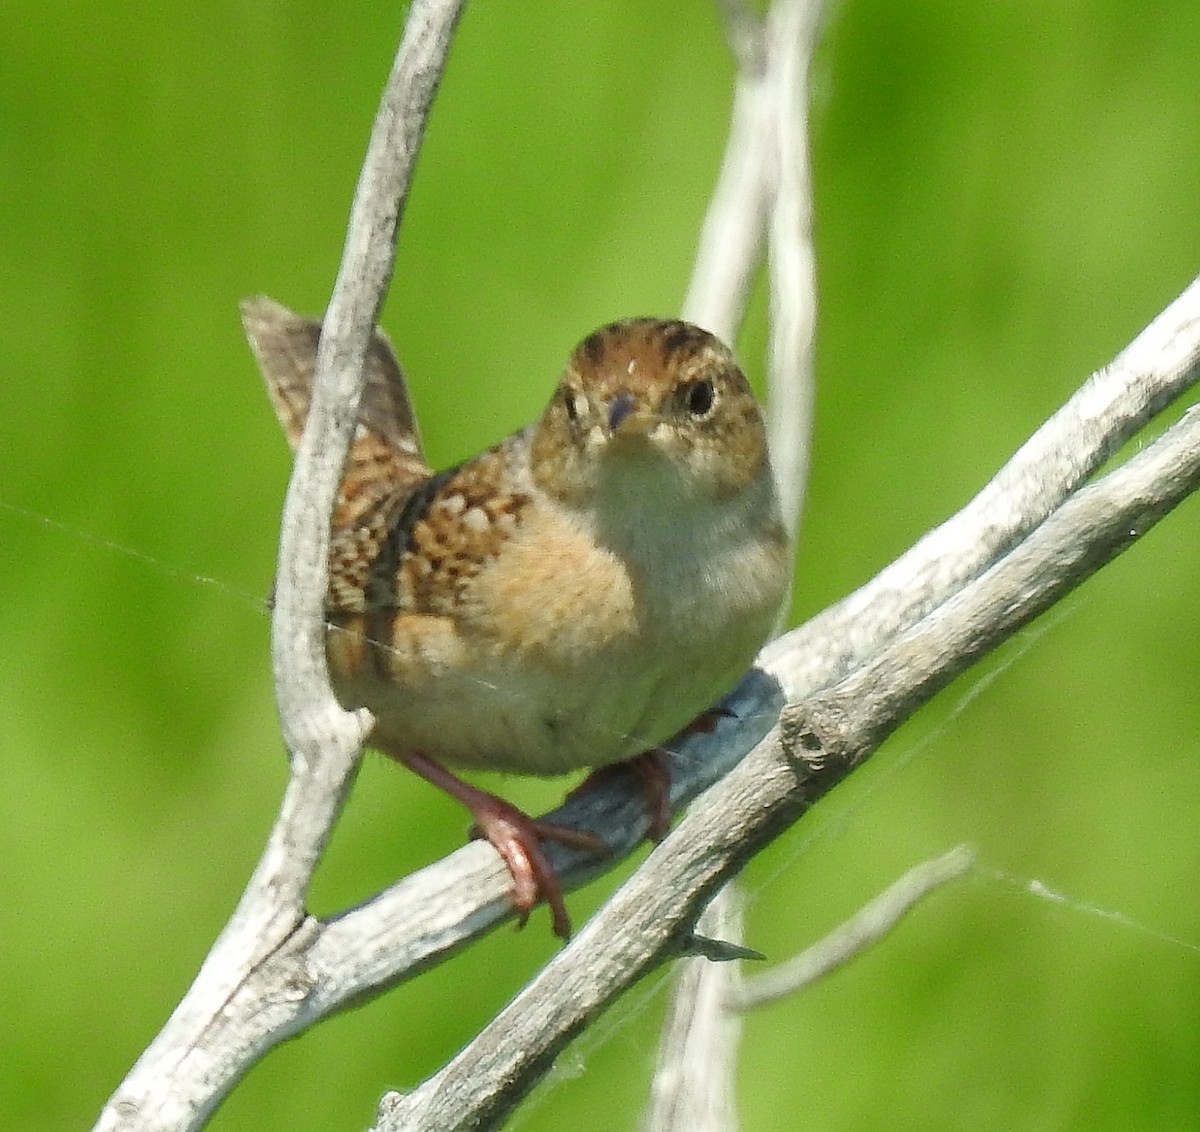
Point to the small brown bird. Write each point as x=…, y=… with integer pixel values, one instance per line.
x=572, y=597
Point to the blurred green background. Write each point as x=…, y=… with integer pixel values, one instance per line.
x=1006, y=193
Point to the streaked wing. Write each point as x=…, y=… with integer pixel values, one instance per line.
x=446, y=530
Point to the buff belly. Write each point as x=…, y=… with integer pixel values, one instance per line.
x=470, y=704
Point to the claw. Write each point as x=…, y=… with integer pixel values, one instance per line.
x=706, y=722
x=516, y=838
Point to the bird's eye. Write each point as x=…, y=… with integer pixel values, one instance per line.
x=698, y=397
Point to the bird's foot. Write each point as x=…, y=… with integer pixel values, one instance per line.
x=653, y=774
x=517, y=838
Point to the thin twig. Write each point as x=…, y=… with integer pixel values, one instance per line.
x=791, y=32
x=732, y=235
x=876, y=919
x=316, y=729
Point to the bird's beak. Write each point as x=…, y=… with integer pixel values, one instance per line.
x=627, y=417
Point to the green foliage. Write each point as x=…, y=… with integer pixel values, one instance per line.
x=1006, y=194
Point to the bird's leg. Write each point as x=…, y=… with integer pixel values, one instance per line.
x=653, y=772
x=516, y=837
